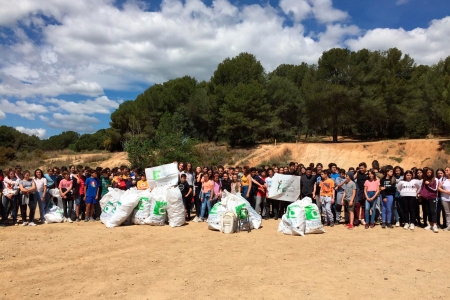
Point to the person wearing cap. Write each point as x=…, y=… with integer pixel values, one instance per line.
x=349, y=197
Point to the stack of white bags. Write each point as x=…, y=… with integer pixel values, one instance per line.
x=143, y=207
x=301, y=217
x=232, y=203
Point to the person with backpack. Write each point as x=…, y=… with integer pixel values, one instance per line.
x=428, y=193
x=407, y=188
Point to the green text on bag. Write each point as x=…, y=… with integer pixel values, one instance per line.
x=241, y=213
x=292, y=211
x=160, y=208
x=156, y=174
x=311, y=213
x=140, y=205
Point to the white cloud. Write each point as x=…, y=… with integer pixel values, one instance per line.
x=74, y=122
x=21, y=107
x=43, y=118
x=29, y=116
x=425, y=45
x=39, y=132
x=322, y=10
x=2, y=115
x=100, y=105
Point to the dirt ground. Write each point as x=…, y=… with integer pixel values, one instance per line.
x=87, y=261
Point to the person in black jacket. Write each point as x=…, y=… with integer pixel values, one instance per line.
x=387, y=188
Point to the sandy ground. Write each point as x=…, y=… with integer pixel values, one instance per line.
x=87, y=261
x=419, y=153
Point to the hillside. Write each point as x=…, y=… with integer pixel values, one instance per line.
x=406, y=153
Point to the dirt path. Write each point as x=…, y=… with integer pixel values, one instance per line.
x=85, y=261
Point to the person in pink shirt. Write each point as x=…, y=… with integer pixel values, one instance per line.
x=65, y=189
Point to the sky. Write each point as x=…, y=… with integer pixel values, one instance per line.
x=66, y=65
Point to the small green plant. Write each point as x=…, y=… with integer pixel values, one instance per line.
x=397, y=159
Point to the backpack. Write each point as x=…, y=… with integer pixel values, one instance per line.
x=228, y=222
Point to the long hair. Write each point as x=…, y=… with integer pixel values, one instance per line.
x=425, y=174
x=387, y=169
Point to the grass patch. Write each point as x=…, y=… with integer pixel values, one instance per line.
x=397, y=159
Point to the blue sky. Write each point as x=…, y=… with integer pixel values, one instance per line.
x=66, y=65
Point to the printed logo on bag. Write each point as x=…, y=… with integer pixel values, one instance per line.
x=160, y=208
x=214, y=209
x=141, y=203
x=241, y=213
x=292, y=211
x=156, y=174
x=311, y=213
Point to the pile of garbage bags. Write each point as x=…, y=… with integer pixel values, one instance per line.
x=156, y=207
x=233, y=203
x=301, y=217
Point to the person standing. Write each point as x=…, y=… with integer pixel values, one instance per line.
x=207, y=196
x=349, y=197
x=444, y=188
x=428, y=193
x=407, y=189
x=27, y=198
x=307, y=183
x=91, y=195
x=387, y=187
x=197, y=192
x=65, y=190
x=327, y=197
x=361, y=177
x=41, y=193
x=10, y=197
x=186, y=193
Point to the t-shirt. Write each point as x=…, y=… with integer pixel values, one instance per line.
x=360, y=180
x=207, y=186
x=185, y=188
x=40, y=183
x=226, y=185
x=217, y=186
x=129, y=184
x=189, y=177
x=307, y=184
x=142, y=184
x=349, y=187
x=408, y=188
x=338, y=181
x=327, y=187
x=91, y=187
x=235, y=187
x=334, y=176
x=27, y=184
x=81, y=184
x=445, y=186
x=372, y=186
x=262, y=190
x=65, y=184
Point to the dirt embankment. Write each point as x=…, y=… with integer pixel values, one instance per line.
x=405, y=153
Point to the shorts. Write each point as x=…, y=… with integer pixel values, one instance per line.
x=349, y=208
x=90, y=200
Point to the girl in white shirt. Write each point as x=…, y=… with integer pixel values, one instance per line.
x=407, y=189
x=444, y=188
x=41, y=190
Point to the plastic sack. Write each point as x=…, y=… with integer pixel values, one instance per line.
x=55, y=194
x=236, y=202
x=158, y=208
x=123, y=208
x=175, y=208
x=54, y=215
x=293, y=221
x=142, y=209
x=312, y=219
x=113, y=194
x=215, y=215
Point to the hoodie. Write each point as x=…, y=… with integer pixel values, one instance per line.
x=430, y=190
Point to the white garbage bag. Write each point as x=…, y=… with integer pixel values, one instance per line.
x=293, y=221
x=158, y=209
x=54, y=215
x=175, y=208
x=113, y=194
x=312, y=219
x=215, y=215
x=123, y=208
x=142, y=209
x=55, y=194
x=236, y=202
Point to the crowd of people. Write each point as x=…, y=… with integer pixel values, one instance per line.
x=386, y=196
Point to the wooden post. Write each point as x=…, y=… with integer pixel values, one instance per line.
x=275, y=142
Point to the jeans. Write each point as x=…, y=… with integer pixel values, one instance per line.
x=409, y=209
x=5, y=203
x=337, y=207
x=206, y=203
x=42, y=204
x=387, y=209
x=244, y=191
x=440, y=210
x=370, y=205
x=446, y=208
x=396, y=209
x=326, y=208
x=68, y=207
x=32, y=203
x=197, y=202
x=258, y=201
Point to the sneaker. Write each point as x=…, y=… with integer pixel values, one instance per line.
x=350, y=226
x=31, y=224
x=397, y=224
x=383, y=225
x=372, y=225
x=45, y=222
x=69, y=220
x=86, y=219
x=64, y=220
x=366, y=226
x=92, y=219
x=411, y=227
x=389, y=225
x=97, y=219
x=16, y=224
x=435, y=229
x=331, y=224
x=24, y=223
x=195, y=219
x=428, y=227
x=406, y=226
x=447, y=228
x=363, y=222
x=78, y=219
